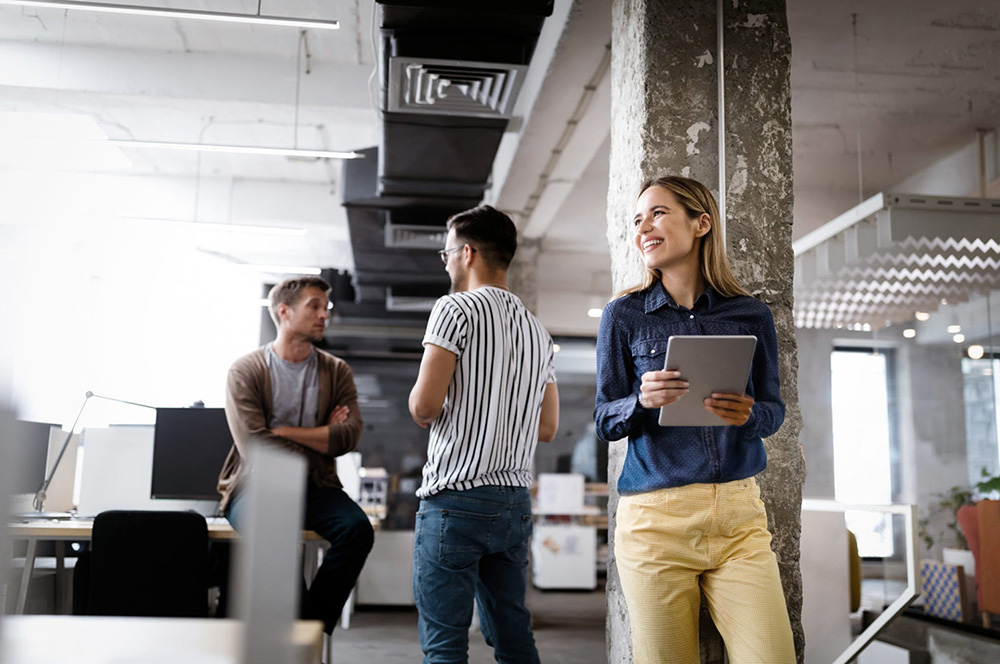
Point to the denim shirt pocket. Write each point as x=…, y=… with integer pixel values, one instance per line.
x=647, y=355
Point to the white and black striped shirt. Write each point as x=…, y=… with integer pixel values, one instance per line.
x=488, y=430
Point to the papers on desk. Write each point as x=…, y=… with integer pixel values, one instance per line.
x=560, y=493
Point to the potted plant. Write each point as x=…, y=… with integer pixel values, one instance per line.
x=947, y=506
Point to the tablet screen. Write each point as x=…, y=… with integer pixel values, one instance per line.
x=716, y=363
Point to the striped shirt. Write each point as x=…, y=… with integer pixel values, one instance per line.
x=487, y=432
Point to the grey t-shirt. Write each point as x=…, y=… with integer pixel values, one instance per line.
x=294, y=389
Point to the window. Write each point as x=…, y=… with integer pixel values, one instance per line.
x=862, y=448
x=981, y=395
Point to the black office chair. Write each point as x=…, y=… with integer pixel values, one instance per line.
x=144, y=564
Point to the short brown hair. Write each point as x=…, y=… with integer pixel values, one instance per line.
x=289, y=291
x=491, y=232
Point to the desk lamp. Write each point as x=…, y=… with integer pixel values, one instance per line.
x=39, y=501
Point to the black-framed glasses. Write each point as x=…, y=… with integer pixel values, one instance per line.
x=443, y=253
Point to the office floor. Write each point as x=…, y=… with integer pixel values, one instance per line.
x=568, y=626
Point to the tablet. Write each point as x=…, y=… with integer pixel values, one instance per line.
x=710, y=364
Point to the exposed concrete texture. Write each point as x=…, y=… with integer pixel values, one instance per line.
x=523, y=275
x=665, y=120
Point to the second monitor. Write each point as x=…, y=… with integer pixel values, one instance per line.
x=189, y=448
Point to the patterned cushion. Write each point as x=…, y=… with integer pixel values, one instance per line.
x=944, y=590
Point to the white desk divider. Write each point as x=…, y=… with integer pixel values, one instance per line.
x=913, y=581
x=267, y=557
x=118, y=473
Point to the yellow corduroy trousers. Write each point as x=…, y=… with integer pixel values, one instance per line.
x=671, y=544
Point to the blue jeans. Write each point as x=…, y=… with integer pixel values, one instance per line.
x=340, y=521
x=473, y=544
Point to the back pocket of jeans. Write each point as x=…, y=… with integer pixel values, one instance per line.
x=465, y=537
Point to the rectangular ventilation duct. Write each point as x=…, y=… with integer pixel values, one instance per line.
x=410, y=236
x=397, y=301
x=453, y=87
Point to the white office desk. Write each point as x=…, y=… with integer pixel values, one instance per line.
x=80, y=530
x=104, y=640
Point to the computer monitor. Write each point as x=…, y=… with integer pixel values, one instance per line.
x=31, y=442
x=189, y=448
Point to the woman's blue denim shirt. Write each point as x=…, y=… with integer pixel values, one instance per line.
x=632, y=340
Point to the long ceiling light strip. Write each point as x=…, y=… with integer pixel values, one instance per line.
x=136, y=10
x=218, y=226
x=234, y=149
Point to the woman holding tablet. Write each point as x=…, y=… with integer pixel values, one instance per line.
x=690, y=518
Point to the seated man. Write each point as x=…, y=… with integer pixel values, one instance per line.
x=293, y=395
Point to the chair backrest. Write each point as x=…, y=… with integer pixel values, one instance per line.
x=149, y=564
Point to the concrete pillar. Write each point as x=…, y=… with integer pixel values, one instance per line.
x=522, y=278
x=665, y=120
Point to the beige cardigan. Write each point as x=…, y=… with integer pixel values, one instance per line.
x=249, y=406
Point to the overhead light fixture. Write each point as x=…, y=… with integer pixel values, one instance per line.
x=954, y=329
x=975, y=351
x=219, y=226
x=167, y=12
x=922, y=316
x=235, y=149
x=909, y=333
x=594, y=313
x=278, y=269
x=556, y=348
x=958, y=338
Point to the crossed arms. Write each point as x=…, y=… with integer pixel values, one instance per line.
x=245, y=414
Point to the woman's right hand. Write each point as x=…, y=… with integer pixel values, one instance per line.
x=660, y=388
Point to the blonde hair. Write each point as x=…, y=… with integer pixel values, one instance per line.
x=696, y=200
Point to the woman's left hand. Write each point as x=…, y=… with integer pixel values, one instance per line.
x=733, y=408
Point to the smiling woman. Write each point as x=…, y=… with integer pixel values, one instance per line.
x=682, y=486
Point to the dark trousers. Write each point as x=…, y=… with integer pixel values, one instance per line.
x=341, y=522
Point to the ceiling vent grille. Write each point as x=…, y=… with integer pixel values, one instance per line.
x=453, y=87
x=409, y=236
x=397, y=302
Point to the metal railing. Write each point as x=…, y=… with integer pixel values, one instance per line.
x=913, y=583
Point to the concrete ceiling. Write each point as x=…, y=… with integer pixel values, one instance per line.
x=925, y=77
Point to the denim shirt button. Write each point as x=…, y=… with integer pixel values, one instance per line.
x=691, y=316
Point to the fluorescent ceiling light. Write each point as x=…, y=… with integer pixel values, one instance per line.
x=279, y=269
x=136, y=10
x=235, y=149
x=219, y=226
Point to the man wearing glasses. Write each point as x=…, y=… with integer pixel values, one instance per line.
x=487, y=390
x=291, y=394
